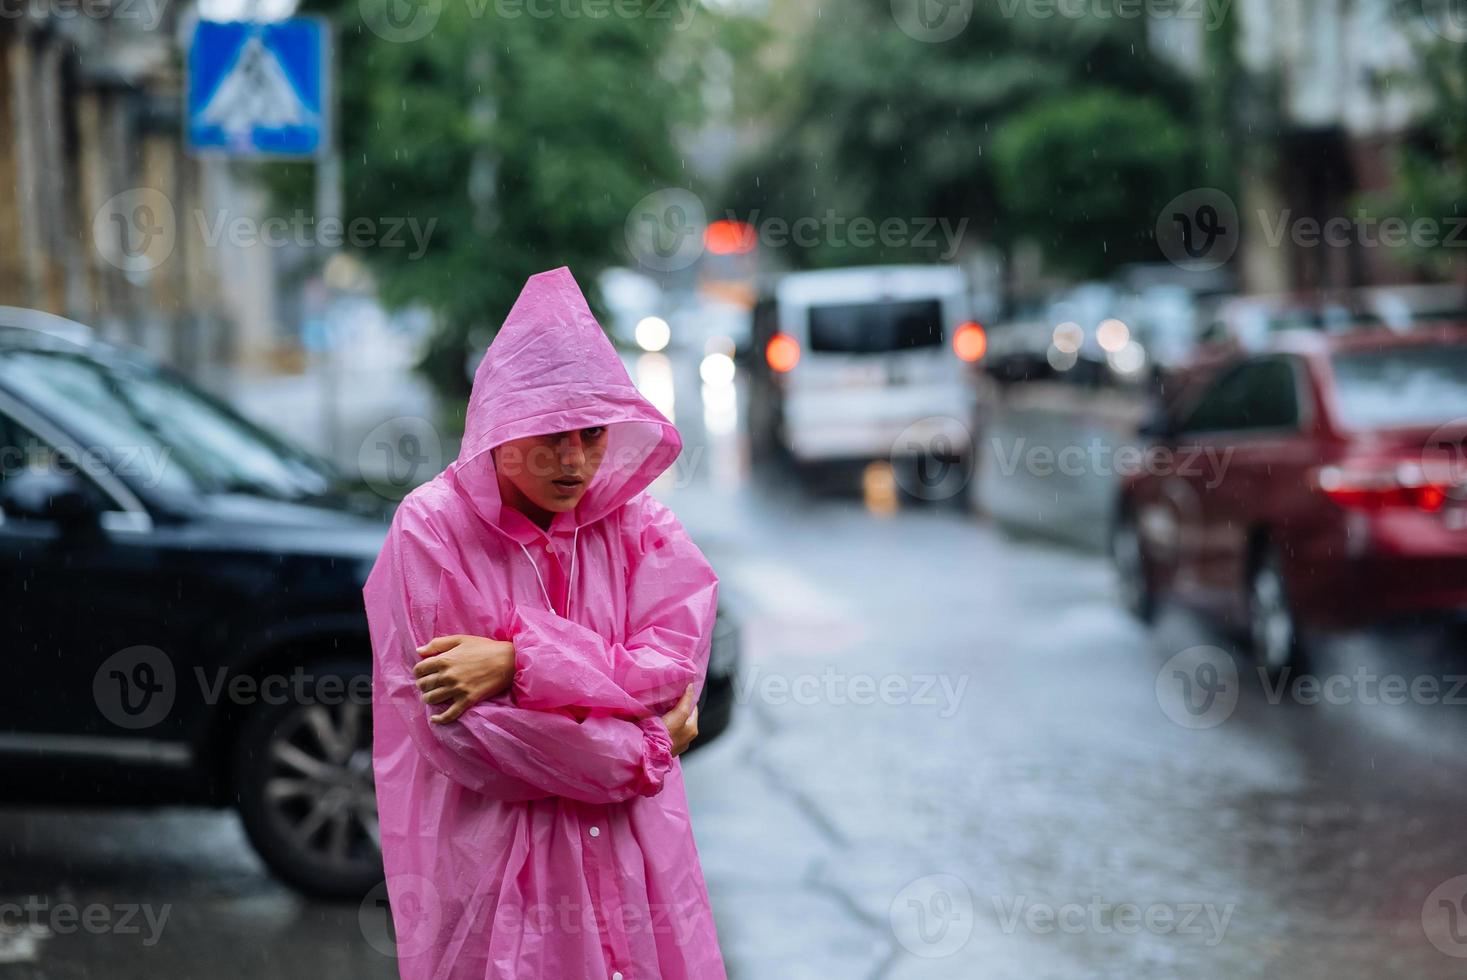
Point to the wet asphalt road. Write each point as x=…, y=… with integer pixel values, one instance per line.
x=953, y=757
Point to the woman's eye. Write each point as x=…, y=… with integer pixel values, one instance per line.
x=595, y=432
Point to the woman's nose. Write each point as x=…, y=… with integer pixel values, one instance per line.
x=570, y=448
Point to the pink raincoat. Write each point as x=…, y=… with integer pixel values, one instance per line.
x=544, y=835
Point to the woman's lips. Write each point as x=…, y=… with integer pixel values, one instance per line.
x=569, y=483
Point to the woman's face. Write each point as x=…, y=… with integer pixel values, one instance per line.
x=552, y=471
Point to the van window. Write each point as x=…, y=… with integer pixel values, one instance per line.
x=875, y=328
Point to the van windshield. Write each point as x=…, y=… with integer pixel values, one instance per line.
x=876, y=328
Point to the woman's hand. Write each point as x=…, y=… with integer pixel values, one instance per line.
x=463, y=670
x=682, y=722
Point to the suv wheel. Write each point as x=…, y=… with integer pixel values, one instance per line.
x=1272, y=627
x=303, y=782
x=1137, y=592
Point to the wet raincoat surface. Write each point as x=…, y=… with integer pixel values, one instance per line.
x=544, y=835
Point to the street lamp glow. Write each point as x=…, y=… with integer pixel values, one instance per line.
x=1061, y=360
x=653, y=333
x=1068, y=337
x=1129, y=360
x=717, y=369
x=1112, y=336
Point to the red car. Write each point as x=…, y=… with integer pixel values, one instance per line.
x=1319, y=484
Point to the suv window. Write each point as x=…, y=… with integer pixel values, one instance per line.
x=14, y=449
x=21, y=449
x=150, y=426
x=1257, y=395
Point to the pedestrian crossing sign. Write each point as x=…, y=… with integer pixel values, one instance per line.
x=259, y=89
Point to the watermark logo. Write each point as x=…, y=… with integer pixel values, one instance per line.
x=1198, y=688
x=932, y=459
x=1446, y=18
x=932, y=21
x=399, y=454
x=401, y=920
x=135, y=230
x=664, y=230
x=1444, y=454
x=1199, y=230
x=1444, y=917
x=134, y=688
x=401, y=21
x=933, y=916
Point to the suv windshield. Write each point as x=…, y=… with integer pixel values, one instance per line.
x=875, y=328
x=149, y=425
x=1404, y=386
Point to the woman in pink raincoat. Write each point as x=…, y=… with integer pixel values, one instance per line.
x=541, y=628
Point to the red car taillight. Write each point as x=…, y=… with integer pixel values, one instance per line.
x=1377, y=488
x=782, y=352
x=970, y=342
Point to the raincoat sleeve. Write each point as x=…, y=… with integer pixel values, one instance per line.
x=495, y=748
x=672, y=602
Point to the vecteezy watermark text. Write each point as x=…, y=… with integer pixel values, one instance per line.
x=39, y=914
x=838, y=688
x=405, y=21
x=1100, y=917
x=147, y=13
x=1212, y=13
x=419, y=909
x=1095, y=458
x=145, y=464
x=137, y=230
x=1363, y=687
x=1362, y=229
x=665, y=231
x=302, y=230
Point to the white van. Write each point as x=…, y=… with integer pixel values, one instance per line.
x=864, y=363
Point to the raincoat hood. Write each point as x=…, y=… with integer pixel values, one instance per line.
x=552, y=369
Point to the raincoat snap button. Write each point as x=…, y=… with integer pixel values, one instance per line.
x=616, y=976
x=595, y=831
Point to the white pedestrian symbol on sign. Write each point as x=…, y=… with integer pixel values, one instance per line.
x=255, y=93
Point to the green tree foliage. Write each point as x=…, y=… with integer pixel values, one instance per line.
x=1432, y=165
x=1087, y=175
x=524, y=139
x=871, y=122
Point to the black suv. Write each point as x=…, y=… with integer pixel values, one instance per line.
x=184, y=595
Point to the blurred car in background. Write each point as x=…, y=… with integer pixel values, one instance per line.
x=849, y=360
x=1320, y=484
x=1249, y=322
x=1233, y=324
x=186, y=621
